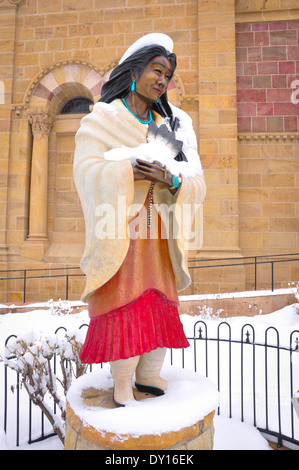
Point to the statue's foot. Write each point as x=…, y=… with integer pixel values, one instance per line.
x=123, y=396
x=116, y=403
x=148, y=378
x=122, y=372
x=149, y=389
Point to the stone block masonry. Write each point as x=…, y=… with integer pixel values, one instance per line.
x=267, y=69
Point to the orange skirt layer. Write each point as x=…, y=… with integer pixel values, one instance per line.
x=147, y=265
x=136, y=311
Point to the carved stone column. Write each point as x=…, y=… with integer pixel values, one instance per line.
x=41, y=121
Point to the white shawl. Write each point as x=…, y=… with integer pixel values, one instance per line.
x=106, y=141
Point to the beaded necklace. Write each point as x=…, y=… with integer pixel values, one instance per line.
x=142, y=122
x=149, y=210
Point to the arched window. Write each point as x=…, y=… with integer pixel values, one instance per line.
x=77, y=105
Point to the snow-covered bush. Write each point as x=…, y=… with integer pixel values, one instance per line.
x=207, y=313
x=62, y=307
x=32, y=355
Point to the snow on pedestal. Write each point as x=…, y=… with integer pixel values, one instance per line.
x=182, y=419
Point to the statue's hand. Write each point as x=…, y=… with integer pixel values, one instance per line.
x=137, y=175
x=154, y=172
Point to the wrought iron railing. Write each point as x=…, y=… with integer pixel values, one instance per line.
x=26, y=275
x=256, y=372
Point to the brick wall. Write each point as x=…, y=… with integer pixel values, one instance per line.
x=100, y=31
x=267, y=57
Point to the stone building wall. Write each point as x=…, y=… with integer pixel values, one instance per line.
x=236, y=62
x=267, y=55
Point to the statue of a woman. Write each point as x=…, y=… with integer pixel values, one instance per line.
x=136, y=167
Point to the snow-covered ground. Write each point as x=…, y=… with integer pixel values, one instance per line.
x=230, y=434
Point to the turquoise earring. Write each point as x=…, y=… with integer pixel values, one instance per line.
x=133, y=86
x=158, y=101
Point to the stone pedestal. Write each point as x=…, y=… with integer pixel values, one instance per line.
x=182, y=419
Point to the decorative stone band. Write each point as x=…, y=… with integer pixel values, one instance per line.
x=41, y=120
x=269, y=136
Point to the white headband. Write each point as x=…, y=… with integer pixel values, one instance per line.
x=160, y=39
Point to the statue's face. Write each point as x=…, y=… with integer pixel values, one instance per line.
x=153, y=81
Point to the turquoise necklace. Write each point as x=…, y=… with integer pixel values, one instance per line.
x=142, y=122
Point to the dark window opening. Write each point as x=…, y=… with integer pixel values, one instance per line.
x=77, y=105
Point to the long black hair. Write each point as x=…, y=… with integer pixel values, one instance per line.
x=120, y=81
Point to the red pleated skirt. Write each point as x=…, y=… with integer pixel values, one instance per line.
x=150, y=322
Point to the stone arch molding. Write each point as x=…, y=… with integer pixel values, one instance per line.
x=45, y=96
x=59, y=82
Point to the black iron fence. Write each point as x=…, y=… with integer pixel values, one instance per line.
x=26, y=274
x=256, y=372
x=254, y=261
x=256, y=376
x=68, y=273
